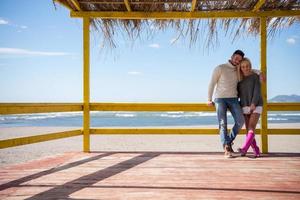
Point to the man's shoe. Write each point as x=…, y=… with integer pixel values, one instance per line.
x=230, y=148
x=227, y=152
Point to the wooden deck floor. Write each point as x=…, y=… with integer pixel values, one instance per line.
x=153, y=175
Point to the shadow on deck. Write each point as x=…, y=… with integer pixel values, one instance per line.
x=153, y=175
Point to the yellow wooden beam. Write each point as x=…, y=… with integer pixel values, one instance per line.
x=258, y=5
x=194, y=2
x=150, y=107
x=130, y=131
x=86, y=84
x=22, y=108
x=184, y=15
x=283, y=106
x=127, y=5
x=156, y=131
x=263, y=68
x=179, y=131
x=37, y=138
x=76, y=4
x=283, y=131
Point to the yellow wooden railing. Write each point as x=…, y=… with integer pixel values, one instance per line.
x=22, y=108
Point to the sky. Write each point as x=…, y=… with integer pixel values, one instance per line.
x=41, y=61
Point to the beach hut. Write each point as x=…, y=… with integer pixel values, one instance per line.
x=261, y=17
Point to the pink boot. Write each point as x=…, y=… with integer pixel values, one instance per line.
x=255, y=148
x=247, y=144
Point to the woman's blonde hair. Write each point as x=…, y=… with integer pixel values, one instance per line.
x=239, y=71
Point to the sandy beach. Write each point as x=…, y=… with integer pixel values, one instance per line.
x=167, y=143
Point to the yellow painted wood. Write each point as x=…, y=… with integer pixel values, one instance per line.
x=127, y=5
x=154, y=131
x=283, y=131
x=258, y=5
x=180, y=131
x=283, y=106
x=86, y=84
x=194, y=2
x=76, y=4
x=124, y=131
x=22, y=108
x=150, y=107
x=158, y=131
x=263, y=68
x=38, y=138
x=184, y=15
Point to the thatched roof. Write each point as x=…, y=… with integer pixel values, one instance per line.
x=196, y=30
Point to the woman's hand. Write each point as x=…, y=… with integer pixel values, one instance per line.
x=252, y=107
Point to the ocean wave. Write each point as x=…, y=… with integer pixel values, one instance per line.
x=187, y=114
x=125, y=115
x=39, y=116
x=291, y=114
x=170, y=116
x=175, y=112
x=277, y=119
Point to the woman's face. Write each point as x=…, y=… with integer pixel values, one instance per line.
x=245, y=68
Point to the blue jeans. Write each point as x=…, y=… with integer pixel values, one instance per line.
x=231, y=104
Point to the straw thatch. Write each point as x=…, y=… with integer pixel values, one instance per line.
x=204, y=31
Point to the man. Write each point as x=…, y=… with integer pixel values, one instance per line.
x=225, y=79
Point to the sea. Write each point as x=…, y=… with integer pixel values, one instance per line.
x=131, y=119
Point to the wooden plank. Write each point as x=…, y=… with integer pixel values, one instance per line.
x=38, y=138
x=283, y=106
x=194, y=3
x=22, y=108
x=258, y=5
x=154, y=175
x=263, y=68
x=184, y=15
x=76, y=4
x=179, y=131
x=86, y=84
x=150, y=107
x=127, y=5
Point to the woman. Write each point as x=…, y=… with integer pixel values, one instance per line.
x=251, y=103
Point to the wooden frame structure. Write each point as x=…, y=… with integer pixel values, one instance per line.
x=76, y=11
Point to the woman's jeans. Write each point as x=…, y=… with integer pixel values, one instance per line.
x=231, y=104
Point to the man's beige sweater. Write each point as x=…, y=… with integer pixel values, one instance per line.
x=225, y=79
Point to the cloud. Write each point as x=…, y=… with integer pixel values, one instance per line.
x=26, y=52
x=157, y=46
x=134, y=73
x=3, y=22
x=23, y=27
x=291, y=41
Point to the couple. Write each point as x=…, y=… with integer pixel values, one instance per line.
x=237, y=90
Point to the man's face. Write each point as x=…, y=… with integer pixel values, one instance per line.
x=236, y=59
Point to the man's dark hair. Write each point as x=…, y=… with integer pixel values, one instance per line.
x=239, y=52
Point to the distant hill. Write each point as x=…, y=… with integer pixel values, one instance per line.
x=285, y=98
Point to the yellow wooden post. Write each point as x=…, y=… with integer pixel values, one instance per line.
x=263, y=68
x=86, y=84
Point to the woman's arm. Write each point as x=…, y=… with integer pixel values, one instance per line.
x=256, y=91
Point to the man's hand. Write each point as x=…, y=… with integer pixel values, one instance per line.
x=210, y=103
x=262, y=77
